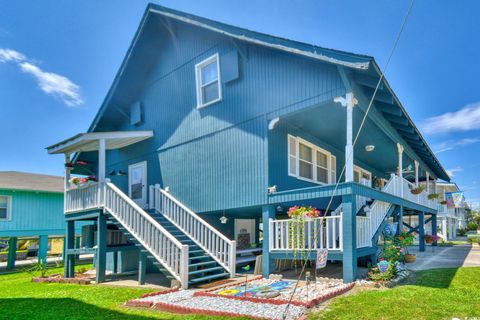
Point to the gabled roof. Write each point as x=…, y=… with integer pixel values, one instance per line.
x=354, y=62
x=14, y=180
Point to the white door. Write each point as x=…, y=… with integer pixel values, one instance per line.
x=137, y=183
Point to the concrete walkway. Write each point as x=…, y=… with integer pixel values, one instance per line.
x=464, y=255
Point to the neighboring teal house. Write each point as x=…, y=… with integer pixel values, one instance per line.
x=31, y=206
x=209, y=130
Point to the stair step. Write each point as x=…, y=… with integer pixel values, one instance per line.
x=200, y=257
x=196, y=251
x=199, y=264
x=208, y=278
x=205, y=270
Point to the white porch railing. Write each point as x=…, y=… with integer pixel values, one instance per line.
x=318, y=233
x=85, y=198
x=401, y=188
x=222, y=249
x=166, y=249
x=444, y=210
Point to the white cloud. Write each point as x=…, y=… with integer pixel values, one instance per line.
x=465, y=119
x=451, y=172
x=54, y=84
x=49, y=82
x=454, y=144
x=11, y=55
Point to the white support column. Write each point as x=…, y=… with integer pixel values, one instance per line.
x=349, y=102
x=417, y=164
x=428, y=181
x=67, y=172
x=101, y=160
x=400, y=168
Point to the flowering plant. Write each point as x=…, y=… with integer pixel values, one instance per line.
x=297, y=212
x=431, y=238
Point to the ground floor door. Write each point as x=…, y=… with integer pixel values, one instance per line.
x=245, y=232
x=137, y=183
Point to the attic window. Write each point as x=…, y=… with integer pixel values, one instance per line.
x=207, y=75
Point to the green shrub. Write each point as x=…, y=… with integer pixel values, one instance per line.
x=474, y=239
x=374, y=273
x=472, y=226
x=461, y=232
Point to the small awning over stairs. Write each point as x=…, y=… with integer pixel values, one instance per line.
x=84, y=142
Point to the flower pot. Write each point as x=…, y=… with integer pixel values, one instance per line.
x=429, y=241
x=409, y=258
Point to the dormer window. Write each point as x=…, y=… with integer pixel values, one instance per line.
x=207, y=75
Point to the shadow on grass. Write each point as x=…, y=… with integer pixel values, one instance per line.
x=57, y=308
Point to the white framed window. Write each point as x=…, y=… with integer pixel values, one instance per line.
x=362, y=176
x=207, y=75
x=5, y=207
x=307, y=161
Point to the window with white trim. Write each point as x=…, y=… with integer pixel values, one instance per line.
x=307, y=161
x=207, y=74
x=362, y=176
x=5, y=207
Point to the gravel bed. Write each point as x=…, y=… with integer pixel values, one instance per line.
x=172, y=297
x=262, y=310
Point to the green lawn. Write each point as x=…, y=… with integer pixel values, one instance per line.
x=433, y=294
x=22, y=299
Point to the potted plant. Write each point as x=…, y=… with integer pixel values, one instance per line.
x=429, y=238
x=417, y=190
x=443, y=202
x=404, y=240
x=433, y=196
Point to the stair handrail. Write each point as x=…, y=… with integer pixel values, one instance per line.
x=225, y=259
x=390, y=184
x=179, y=269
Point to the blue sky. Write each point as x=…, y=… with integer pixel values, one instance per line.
x=58, y=59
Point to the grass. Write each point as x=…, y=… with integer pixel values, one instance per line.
x=452, y=242
x=432, y=294
x=22, y=299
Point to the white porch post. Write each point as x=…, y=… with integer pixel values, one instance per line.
x=101, y=160
x=349, y=102
x=67, y=172
x=416, y=172
x=400, y=167
x=428, y=181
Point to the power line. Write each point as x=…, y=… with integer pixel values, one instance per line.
x=382, y=73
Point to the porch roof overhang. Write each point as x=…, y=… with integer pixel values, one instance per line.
x=84, y=142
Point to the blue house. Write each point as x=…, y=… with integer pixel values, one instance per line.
x=210, y=130
x=31, y=207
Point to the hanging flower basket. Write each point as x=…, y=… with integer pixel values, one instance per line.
x=431, y=238
x=443, y=202
x=83, y=182
x=303, y=213
x=433, y=196
x=417, y=190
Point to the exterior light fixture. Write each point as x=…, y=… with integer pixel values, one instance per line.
x=369, y=147
x=272, y=189
x=223, y=219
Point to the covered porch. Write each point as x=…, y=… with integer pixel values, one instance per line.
x=347, y=233
x=84, y=202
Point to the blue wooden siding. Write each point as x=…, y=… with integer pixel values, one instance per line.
x=215, y=158
x=33, y=214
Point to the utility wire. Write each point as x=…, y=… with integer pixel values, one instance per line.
x=382, y=73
